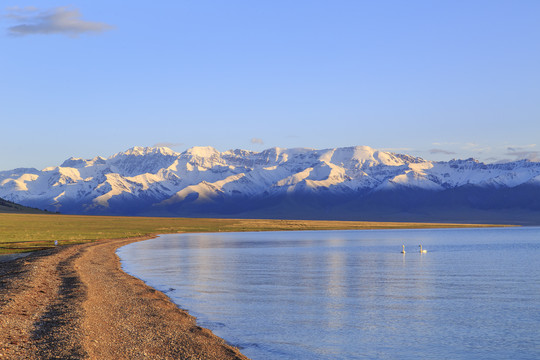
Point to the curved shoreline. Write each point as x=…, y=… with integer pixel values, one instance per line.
x=76, y=302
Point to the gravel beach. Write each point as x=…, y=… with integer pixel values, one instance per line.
x=75, y=302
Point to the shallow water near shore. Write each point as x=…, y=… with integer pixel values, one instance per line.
x=352, y=294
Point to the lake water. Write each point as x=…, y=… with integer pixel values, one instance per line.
x=352, y=295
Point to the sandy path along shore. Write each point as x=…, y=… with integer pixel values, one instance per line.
x=75, y=302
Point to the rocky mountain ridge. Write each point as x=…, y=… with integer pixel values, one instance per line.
x=335, y=183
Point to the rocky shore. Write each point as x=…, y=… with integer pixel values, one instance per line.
x=75, y=302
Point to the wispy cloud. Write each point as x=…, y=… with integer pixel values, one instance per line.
x=477, y=148
x=444, y=143
x=60, y=20
x=494, y=154
x=395, y=150
x=520, y=147
x=519, y=154
x=441, y=151
x=167, y=144
x=257, y=141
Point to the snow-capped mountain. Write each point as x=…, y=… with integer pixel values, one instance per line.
x=337, y=183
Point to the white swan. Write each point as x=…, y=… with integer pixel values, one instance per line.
x=422, y=251
x=403, y=251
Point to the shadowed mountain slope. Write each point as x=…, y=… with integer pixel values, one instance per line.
x=11, y=207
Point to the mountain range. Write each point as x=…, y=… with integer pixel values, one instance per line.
x=352, y=183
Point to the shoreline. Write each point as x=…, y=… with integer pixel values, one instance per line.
x=76, y=302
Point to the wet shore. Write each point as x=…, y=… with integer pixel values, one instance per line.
x=76, y=302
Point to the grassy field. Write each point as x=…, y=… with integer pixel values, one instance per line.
x=29, y=232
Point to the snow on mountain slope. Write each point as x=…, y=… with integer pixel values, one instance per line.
x=161, y=177
x=204, y=191
x=139, y=160
x=412, y=179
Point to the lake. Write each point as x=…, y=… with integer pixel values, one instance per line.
x=475, y=294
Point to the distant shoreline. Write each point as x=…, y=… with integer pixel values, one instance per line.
x=27, y=232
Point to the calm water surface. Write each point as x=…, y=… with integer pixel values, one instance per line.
x=352, y=295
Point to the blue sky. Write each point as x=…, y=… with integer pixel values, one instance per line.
x=436, y=79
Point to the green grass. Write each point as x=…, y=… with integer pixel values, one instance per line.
x=30, y=232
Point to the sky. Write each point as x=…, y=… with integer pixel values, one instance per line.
x=435, y=79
